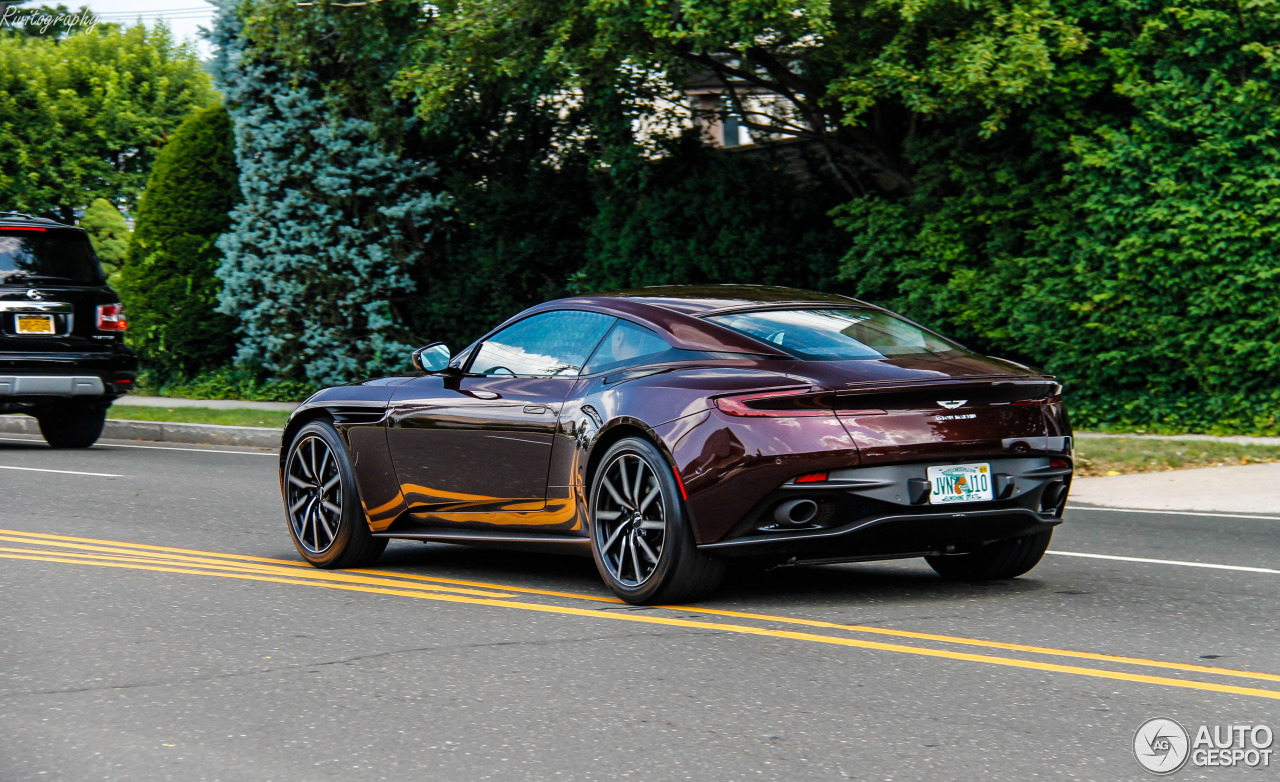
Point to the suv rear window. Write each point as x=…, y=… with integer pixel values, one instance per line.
x=35, y=256
x=838, y=334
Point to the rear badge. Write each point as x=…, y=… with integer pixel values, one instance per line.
x=952, y=404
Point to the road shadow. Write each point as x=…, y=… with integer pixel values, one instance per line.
x=15, y=444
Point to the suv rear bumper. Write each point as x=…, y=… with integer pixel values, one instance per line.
x=51, y=385
x=41, y=379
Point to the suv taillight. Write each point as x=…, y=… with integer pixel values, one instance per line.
x=111, y=317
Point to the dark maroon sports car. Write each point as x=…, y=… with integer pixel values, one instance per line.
x=668, y=430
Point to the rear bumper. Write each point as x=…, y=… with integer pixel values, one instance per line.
x=890, y=537
x=29, y=379
x=51, y=385
x=884, y=512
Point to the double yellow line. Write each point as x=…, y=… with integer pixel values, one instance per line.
x=43, y=547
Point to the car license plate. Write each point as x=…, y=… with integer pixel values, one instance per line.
x=960, y=483
x=35, y=324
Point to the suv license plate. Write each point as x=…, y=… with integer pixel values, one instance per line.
x=35, y=324
x=960, y=483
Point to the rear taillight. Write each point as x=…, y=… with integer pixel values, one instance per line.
x=777, y=403
x=111, y=317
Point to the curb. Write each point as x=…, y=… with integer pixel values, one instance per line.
x=164, y=432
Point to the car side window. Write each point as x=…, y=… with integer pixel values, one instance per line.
x=548, y=344
x=630, y=345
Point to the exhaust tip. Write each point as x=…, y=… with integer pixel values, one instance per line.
x=795, y=512
x=1052, y=496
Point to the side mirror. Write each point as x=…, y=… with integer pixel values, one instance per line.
x=432, y=358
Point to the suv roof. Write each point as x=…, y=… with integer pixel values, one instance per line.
x=18, y=218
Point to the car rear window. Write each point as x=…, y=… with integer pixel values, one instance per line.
x=838, y=334
x=34, y=256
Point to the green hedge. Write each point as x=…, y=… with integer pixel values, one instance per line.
x=1124, y=234
x=169, y=285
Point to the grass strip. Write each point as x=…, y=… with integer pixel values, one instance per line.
x=200, y=415
x=1121, y=455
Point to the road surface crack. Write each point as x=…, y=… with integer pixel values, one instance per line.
x=355, y=659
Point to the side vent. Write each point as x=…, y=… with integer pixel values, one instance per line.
x=354, y=416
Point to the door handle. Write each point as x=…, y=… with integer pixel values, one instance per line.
x=535, y=409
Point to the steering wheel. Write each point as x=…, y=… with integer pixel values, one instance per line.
x=496, y=370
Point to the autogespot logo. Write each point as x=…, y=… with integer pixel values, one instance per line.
x=1163, y=746
x=1160, y=745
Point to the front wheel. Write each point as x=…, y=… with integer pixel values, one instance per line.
x=640, y=535
x=326, y=520
x=994, y=561
x=72, y=427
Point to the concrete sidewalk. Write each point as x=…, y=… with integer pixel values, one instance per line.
x=1251, y=488
x=213, y=404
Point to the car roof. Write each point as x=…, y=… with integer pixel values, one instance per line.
x=679, y=312
x=700, y=300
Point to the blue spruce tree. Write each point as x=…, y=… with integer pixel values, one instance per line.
x=320, y=258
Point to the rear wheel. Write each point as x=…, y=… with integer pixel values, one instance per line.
x=1002, y=559
x=640, y=535
x=71, y=426
x=326, y=520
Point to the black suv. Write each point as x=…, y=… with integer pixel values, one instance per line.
x=62, y=352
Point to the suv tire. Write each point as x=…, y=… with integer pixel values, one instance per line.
x=72, y=427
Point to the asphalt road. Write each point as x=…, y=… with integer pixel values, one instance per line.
x=156, y=624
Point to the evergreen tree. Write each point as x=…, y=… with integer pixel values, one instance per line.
x=169, y=284
x=108, y=233
x=336, y=213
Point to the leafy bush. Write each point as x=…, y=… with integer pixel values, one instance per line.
x=169, y=285
x=510, y=243
x=224, y=383
x=1123, y=234
x=108, y=233
x=702, y=215
x=83, y=117
x=532, y=231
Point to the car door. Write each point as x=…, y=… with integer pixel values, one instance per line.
x=476, y=447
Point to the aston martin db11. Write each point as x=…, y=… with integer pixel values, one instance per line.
x=667, y=431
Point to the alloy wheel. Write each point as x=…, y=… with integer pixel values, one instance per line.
x=314, y=494
x=629, y=520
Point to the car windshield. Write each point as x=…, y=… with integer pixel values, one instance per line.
x=40, y=256
x=838, y=334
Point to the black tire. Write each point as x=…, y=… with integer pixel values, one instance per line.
x=680, y=573
x=325, y=537
x=72, y=427
x=995, y=561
